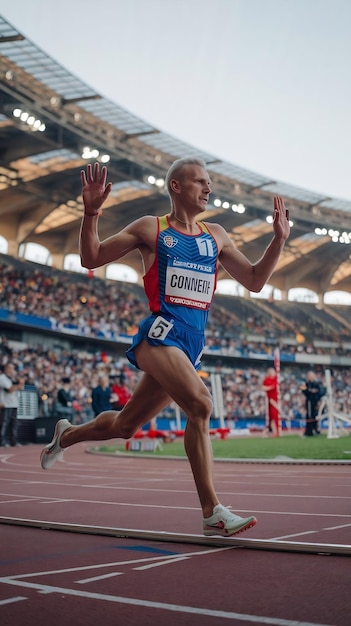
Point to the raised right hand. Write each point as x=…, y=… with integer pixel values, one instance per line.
x=94, y=188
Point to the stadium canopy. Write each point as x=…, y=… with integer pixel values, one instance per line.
x=52, y=124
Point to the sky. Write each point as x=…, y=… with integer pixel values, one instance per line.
x=262, y=84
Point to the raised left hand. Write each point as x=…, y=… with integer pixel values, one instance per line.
x=281, y=224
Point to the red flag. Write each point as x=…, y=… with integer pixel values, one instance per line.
x=277, y=369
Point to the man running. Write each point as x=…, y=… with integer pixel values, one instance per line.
x=180, y=257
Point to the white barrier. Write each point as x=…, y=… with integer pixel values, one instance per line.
x=335, y=429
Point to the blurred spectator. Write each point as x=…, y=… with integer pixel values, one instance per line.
x=64, y=405
x=102, y=396
x=270, y=386
x=313, y=392
x=9, y=401
x=120, y=393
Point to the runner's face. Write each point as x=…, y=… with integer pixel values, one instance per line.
x=194, y=187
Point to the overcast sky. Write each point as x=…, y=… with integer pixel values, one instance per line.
x=263, y=84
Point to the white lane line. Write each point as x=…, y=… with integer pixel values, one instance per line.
x=306, y=532
x=12, y=600
x=310, y=532
x=119, y=563
x=257, y=511
x=19, y=495
x=308, y=496
x=227, y=494
x=17, y=500
x=337, y=527
x=52, y=501
x=95, y=578
x=190, y=610
x=181, y=558
x=43, y=500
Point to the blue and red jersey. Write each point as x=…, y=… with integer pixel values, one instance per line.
x=182, y=280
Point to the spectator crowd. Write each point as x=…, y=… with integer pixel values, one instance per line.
x=92, y=307
x=96, y=308
x=243, y=396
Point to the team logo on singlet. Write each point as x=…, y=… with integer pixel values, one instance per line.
x=170, y=241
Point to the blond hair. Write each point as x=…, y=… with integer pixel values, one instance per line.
x=176, y=168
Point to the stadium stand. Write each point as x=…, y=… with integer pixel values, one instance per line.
x=56, y=323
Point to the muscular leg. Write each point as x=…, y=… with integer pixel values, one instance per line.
x=168, y=374
x=147, y=401
x=176, y=375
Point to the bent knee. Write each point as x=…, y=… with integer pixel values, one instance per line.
x=201, y=407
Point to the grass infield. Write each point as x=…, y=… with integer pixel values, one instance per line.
x=286, y=447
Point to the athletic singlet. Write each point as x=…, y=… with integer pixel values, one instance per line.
x=182, y=280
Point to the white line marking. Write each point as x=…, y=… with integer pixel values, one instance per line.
x=257, y=511
x=20, y=495
x=310, y=532
x=307, y=532
x=95, y=578
x=43, y=500
x=256, y=619
x=142, y=488
x=52, y=501
x=17, y=500
x=118, y=563
x=11, y=600
x=337, y=527
x=181, y=558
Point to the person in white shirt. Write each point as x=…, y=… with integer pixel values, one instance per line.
x=9, y=401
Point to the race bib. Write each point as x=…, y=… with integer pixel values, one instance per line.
x=189, y=284
x=160, y=328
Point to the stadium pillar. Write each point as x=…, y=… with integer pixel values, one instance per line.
x=12, y=248
x=217, y=395
x=332, y=434
x=57, y=260
x=100, y=272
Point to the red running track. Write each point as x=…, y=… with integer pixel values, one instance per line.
x=57, y=576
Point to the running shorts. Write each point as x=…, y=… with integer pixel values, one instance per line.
x=158, y=330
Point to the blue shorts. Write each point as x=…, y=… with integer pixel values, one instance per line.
x=158, y=330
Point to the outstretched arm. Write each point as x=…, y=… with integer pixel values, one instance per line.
x=254, y=276
x=93, y=252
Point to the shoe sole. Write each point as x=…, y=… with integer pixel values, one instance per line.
x=47, y=449
x=227, y=533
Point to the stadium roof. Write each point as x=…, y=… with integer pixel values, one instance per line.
x=49, y=119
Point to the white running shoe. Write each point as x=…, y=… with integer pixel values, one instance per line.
x=225, y=523
x=53, y=451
